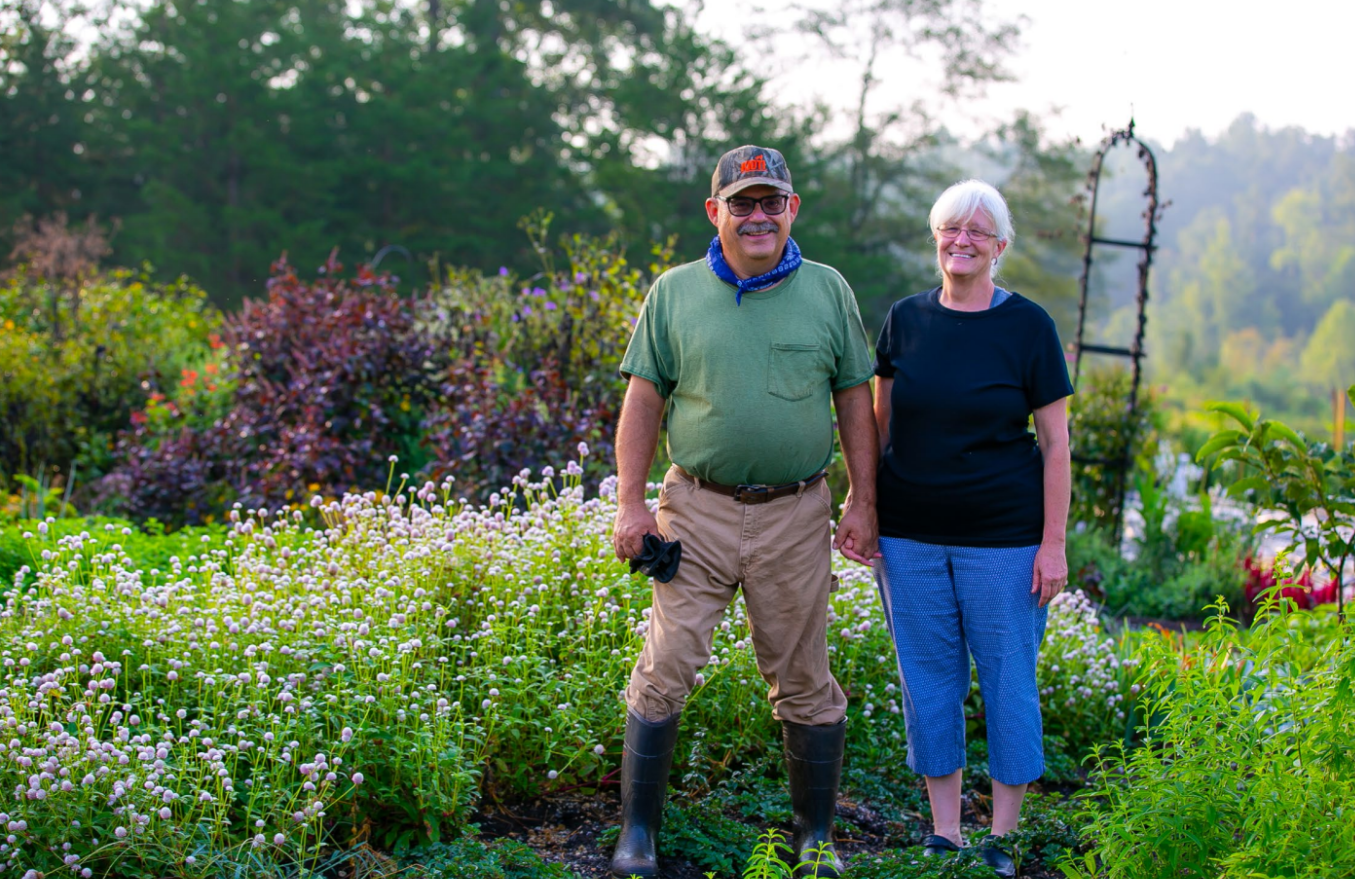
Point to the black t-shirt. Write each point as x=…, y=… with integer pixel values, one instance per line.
x=961, y=465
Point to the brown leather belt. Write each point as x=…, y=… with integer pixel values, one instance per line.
x=754, y=494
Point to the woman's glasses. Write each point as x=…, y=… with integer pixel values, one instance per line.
x=978, y=236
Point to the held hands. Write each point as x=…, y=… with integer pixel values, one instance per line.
x=858, y=533
x=632, y=523
x=1050, y=575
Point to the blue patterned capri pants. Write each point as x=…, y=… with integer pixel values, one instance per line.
x=942, y=604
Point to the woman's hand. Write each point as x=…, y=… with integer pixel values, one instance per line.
x=1051, y=566
x=1050, y=575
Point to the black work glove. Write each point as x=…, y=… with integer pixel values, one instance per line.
x=658, y=559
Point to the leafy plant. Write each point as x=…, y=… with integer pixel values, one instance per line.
x=1245, y=766
x=910, y=864
x=325, y=381
x=701, y=833
x=146, y=545
x=1084, y=683
x=1102, y=429
x=534, y=364
x=74, y=367
x=469, y=857
x=1262, y=580
x=1050, y=830
x=1184, y=557
x=1309, y=484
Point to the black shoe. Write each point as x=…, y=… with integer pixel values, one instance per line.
x=814, y=764
x=997, y=855
x=938, y=846
x=644, y=785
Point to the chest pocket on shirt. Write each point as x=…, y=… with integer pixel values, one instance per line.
x=796, y=370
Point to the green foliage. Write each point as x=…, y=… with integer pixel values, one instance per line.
x=147, y=545
x=701, y=833
x=1050, y=830
x=910, y=864
x=313, y=390
x=1246, y=765
x=221, y=134
x=469, y=857
x=767, y=861
x=429, y=651
x=1282, y=471
x=1100, y=428
x=1084, y=678
x=34, y=498
x=75, y=362
x=1329, y=357
x=1256, y=250
x=1041, y=178
x=41, y=128
x=534, y=363
x=1184, y=558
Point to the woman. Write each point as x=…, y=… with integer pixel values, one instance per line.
x=972, y=509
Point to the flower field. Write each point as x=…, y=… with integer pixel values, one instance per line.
x=364, y=671
x=364, y=674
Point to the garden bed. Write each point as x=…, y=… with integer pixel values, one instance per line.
x=373, y=676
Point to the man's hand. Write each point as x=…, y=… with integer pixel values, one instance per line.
x=1051, y=572
x=637, y=435
x=632, y=523
x=858, y=533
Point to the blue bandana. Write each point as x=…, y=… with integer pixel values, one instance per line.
x=715, y=258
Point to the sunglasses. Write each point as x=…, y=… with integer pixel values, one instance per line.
x=742, y=205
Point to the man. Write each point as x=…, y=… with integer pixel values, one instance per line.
x=745, y=350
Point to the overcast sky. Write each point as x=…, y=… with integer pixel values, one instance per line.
x=1179, y=64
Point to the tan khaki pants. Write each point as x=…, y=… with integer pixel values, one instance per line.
x=780, y=553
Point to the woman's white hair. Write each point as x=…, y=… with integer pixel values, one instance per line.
x=962, y=201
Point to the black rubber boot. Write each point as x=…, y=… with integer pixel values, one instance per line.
x=814, y=764
x=644, y=786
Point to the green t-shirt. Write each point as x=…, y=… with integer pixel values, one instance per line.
x=749, y=387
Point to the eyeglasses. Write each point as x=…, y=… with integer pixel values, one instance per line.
x=978, y=236
x=742, y=205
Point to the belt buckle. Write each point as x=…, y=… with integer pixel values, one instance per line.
x=752, y=494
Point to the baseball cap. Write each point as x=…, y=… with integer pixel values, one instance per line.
x=747, y=166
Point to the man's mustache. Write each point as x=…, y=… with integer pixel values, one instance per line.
x=757, y=228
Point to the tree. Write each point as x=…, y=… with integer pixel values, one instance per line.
x=1318, y=225
x=42, y=132
x=1329, y=359
x=1216, y=293
x=1040, y=180
x=872, y=189
x=228, y=132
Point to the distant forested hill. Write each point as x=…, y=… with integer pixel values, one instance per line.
x=1253, y=289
